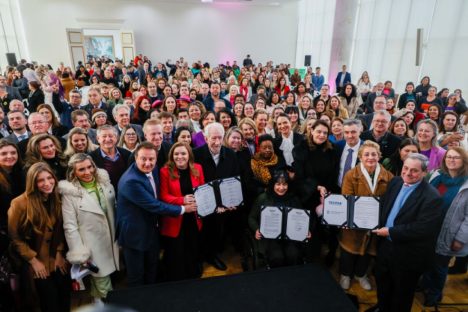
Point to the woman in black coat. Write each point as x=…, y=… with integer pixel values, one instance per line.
x=36, y=96
x=12, y=184
x=316, y=166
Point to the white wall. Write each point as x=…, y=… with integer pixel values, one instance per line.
x=214, y=33
x=382, y=39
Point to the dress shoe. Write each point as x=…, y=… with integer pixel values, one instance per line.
x=364, y=282
x=218, y=264
x=345, y=282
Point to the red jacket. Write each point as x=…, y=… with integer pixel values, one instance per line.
x=170, y=193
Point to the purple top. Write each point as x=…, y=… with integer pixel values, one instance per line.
x=198, y=139
x=427, y=153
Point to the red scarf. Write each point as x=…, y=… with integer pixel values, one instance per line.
x=244, y=91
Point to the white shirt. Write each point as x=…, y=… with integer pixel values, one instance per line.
x=215, y=157
x=355, y=149
x=287, y=148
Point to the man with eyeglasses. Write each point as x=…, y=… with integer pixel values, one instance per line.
x=379, y=134
x=37, y=124
x=372, y=96
x=380, y=103
x=65, y=108
x=324, y=95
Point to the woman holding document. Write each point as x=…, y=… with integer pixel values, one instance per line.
x=367, y=178
x=178, y=178
x=277, y=252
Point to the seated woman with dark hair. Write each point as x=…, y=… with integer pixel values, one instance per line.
x=226, y=118
x=277, y=252
x=394, y=163
x=265, y=162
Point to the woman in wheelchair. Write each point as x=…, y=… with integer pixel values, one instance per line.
x=277, y=252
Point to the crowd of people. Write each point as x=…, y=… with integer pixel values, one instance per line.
x=98, y=166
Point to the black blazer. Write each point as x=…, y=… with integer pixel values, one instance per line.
x=388, y=144
x=35, y=99
x=416, y=226
x=227, y=167
x=297, y=139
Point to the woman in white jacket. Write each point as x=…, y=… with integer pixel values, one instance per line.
x=88, y=205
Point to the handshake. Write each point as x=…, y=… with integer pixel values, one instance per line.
x=189, y=203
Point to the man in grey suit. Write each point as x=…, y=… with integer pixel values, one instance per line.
x=121, y=113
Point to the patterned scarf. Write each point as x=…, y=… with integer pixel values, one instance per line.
x=260, y=167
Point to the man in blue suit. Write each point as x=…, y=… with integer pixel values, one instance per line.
x=138, y=208
x=348, y=148
x=342, y=79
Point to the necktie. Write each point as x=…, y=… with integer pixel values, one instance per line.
x=22, y=137
x=153, y=185
x=348, y=161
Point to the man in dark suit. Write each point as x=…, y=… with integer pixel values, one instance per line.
x=138, y=208
x=152, y=130
x=4, y=128
x=371, y=97
x=7, y=94
x=95, y=102
x=213, y=96
x=218, y=162
x=348, y=148
x=379, y=134
x=108, y=156
x=410, y=220
x=342, y=79
x=380, y=103
x=17, y=121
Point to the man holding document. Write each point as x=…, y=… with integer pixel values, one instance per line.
x=218, y=162
x=411, y=219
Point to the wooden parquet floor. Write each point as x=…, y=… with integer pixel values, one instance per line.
x=455, y=294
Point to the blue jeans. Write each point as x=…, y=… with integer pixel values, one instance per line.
x=434, y=280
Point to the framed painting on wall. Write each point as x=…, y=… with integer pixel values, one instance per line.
x=98, y=46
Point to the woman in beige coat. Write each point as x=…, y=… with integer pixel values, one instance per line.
x=368, y=178
x=88, y=205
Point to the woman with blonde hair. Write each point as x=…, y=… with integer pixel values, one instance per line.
x=335, y=106
x=78, y=142
x=368, y=178
x=36, y=232
x=88, y=201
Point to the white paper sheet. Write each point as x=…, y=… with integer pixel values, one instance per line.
x=231, y=192
x=271, y=222
x=366, y=213
x=297, y=224
x=335, y=210
x=206, y=200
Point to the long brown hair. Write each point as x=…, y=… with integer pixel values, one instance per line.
x=37, y=214
x=460, y=151
x=33, y=154
x=173, y=172
x=55, y=122
x=4, y=181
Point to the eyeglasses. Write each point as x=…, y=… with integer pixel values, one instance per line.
x=381, y=121
x=130, y=134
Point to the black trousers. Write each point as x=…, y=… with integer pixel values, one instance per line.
x=213, y=235
x=141, y=266
x=54, y=292
x=351, y=264
x=282, y=252
x=395, y=285
x=181, y=254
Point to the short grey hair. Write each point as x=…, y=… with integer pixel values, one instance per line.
x=107, y=127
x=383, y=113
x=434, y=126
x=421, y=158
x=215, y=126
x=353, y=122
x=118, y=107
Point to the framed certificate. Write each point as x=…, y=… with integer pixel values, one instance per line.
x=277, y=222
